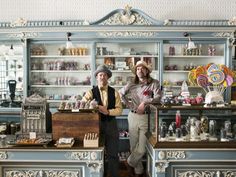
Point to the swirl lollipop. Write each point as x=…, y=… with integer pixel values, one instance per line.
x=202, y=81
x=216, y=77
x=213, y=67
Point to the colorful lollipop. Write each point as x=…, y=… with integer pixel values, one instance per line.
x=216, y=77
x=202, y=80
x=200, y=70
x=213, y=67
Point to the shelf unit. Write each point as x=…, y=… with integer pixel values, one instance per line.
x=58, y=73
x=177, y=62
x=121, y=57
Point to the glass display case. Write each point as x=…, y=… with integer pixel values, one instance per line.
x=196, y=126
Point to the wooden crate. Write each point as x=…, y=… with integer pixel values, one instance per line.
x=74, y=125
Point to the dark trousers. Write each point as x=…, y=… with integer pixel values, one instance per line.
x=110, y=137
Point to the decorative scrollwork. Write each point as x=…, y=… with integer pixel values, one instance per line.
x=127, y=17
x=83, y=155
x=161, y=166
x=126, y=34
x=224, y=34
x=230, y=35
x=54, y=173
x=232, y=21
x=229, y=173
x=175, y=155
x=204, y=173
x=43, y=173
x=22, y=173
x=20, y=22
x=196, y=174
x=23, y=36
x=94, y=167
x=167, y=22
x=3, y=155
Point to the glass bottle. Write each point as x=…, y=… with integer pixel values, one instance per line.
x=178, y=119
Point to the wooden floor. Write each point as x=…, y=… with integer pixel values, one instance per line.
x=123, y=171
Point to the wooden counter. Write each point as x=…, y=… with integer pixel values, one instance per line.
x=74, y=125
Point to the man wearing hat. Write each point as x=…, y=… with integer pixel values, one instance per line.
x=142, y=90
x=109, y=106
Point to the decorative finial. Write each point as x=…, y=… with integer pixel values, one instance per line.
x=128, y=8
x=127, y=17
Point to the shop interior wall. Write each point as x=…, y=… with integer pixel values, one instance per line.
x=93, y=10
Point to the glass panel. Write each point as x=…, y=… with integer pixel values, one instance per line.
x=11, y=74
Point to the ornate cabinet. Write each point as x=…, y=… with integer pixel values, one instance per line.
x=48, y=162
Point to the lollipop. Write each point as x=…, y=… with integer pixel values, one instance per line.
x=229, y=80
x=216, y=77
x=200, y=70
x=192, y=77
x=213, y=67
x=202, y=81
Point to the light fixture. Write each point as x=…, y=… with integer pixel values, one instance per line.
x=191, y=44
x=68, y=42
x=11, y=50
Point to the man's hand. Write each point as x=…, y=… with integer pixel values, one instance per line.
x=103, y=110
x=141, y=108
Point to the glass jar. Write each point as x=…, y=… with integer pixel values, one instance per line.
x=2, y=141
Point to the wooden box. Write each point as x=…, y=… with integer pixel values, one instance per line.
x=74, y=125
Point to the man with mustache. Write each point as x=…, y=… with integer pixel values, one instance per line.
x=109, y=106
x=142, y=90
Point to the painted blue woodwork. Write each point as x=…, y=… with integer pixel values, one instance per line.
x=45, y=161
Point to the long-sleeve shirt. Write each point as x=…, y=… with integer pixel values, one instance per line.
x=133, y=94
x=104, y=97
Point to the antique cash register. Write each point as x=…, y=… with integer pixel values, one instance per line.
x=34, y=117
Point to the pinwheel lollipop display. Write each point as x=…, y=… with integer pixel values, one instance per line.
x=213, y=78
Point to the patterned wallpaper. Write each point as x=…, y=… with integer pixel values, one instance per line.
x=93, y=10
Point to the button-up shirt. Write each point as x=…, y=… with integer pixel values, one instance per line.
x=104, y=97
x=133, y=94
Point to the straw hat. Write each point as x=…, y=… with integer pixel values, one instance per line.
x=103, y=68
x=142, y=63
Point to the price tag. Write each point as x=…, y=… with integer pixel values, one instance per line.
x=32, y=135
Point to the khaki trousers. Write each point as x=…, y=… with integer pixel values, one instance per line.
x=138, y=126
